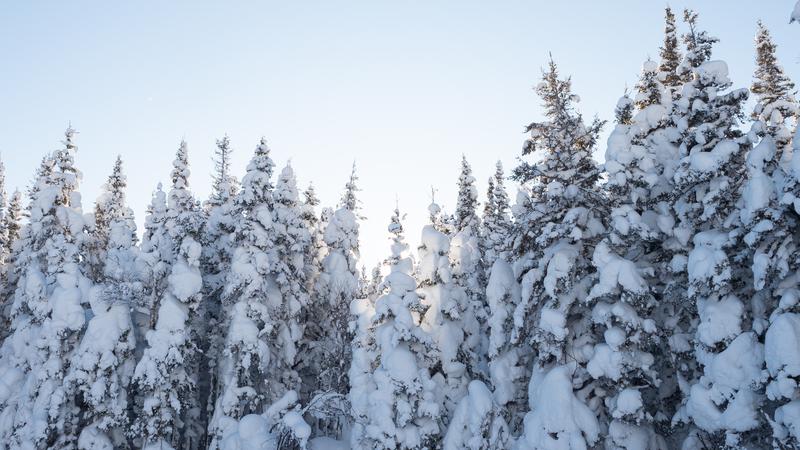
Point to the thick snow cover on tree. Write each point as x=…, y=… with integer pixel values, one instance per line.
x=648, y=303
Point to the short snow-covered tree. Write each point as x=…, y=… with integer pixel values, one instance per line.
x=337, y=286
x=403, y=407
x=496, y=220
x=104, y=361
x=446, y=309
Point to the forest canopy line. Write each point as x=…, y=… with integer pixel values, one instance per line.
x=649, y=302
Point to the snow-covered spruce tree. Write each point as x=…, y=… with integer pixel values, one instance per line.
x=505, y=371
x=554, y=242
x=103, y=363
x=48, y=316
x=250, y=296
x=624, y=296
x=774, y=92
x=11, y=224
x=315, y=252
x=221, y=214
x=720, y=386
x=337, y=286
x=166, y=375
x=469, y=273
x=795, y=17
x=360, y=374
x=670, y=55
x=154, y=261
x=769, y=216
x=496, y=220
x=291, y=240
x=403, y=408
x=109, y=206
x=444, y=319
x=5, y=245
x=781, y=349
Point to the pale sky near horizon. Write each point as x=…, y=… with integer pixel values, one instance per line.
x=402, y=88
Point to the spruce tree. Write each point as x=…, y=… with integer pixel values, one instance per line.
x=468, y=271
x=670, y=54
x=249, y=299
x=769, y=216
x=291, y=239
x=166, y=375
x=496, y=220
x=554, y=242
x=633, y=275
x=444, y=318
x=12, y=226
x=337, y=286
x=404, y=409
x=221, y=214
x=109, y=207
x=47, y=313
x=104, y=362
x=719, y=409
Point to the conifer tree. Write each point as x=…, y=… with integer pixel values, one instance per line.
x=5, y=245
x=249, y=299
x=403, y=403
x=670, y=55
x=315, y=252
x=104, y=361
x=768, y=214
x=11, y=224
x=291, y=239
x=109, y=206
x=555, y=240
x=496, y=220
x=444, y=318
x=708, y=181
x=221, y=214
x=47, y=313
x=466, y=259
x=337, y=286
x=640, y=159
x=166, y=375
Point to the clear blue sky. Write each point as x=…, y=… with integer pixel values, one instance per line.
x=404, y=88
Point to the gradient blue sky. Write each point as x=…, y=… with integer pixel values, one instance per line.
x=404, y=88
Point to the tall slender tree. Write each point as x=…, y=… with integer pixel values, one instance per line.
x=166, y=375
x=555, y=241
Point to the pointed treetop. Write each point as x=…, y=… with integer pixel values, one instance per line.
x=257, y=183
x=224, y=186
x=669, y=52
x=286, y=187
x=12, y=219
x=467, y=202
x=771, y=83
x=349, y=200
x=623, y=112
x=399, y=246
x=310, y=196
x=566, y=141
x=180, y=167
x=698, y=44
x=649, y=90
